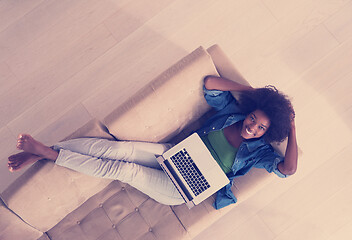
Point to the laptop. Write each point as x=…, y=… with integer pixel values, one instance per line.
x=193, y=170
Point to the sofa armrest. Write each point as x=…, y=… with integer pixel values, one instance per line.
x=163, y=108
x=224, y=66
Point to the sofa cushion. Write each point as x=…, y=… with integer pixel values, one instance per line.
x=12, y=227
x=120, y=212
x=93, y=128
x=175, y=97
x=50, y=191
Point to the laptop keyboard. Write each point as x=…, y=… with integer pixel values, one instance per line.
x=190, y=172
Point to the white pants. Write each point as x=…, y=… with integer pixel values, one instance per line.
x=130, y=162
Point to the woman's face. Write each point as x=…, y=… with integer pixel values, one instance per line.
x=255, y=125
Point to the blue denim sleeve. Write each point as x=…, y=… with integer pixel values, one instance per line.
x=224, y=197
x=269, y=161
x=218, y=99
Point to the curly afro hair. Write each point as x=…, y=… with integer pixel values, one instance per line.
x=275, y=105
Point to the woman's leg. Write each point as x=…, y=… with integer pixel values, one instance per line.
x=150, y=181
x=142, y=153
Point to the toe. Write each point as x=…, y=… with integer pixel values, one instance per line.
x=21, y=142
x=23, y=137
x=11, y=163
x=19, y=145
x=13, y=169
x=11, y=158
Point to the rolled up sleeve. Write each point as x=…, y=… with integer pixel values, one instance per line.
x=276, y=169
x=218, y=99
x=270, y=162
x=224, y=197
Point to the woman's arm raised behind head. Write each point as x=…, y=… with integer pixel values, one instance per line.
x=289, y=165
x=223, y=84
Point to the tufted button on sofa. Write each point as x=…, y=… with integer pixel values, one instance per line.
x=51, y=202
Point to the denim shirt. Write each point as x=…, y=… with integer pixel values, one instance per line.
x=251, y=153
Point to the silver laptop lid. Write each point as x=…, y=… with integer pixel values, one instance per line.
x=194, y=168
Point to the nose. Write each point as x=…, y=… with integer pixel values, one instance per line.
x=252, y=128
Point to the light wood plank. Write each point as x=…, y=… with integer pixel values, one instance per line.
x=133, y=15
x=281, y=9
x=12, y=10
x=251, y=18
x=344, y=233
x=326, y=219
x=176, y=16
x=340, y=24
x=252, y=23
x=331, y=215
x=307, y=230
x=80, y=20
x=289, y=64
x=65, y=124
x=305, y=196
x=333, y=69
x=7, y=78
x=339, y=94
x=238, y=216
x=7, y=147
x=298, y=23
x=32, y=25
x=253, y=229
x=38, y=106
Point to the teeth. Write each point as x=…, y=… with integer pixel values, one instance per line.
x=248, y=132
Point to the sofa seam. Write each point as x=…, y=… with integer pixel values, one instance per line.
x=179, y=220
x=25, y=222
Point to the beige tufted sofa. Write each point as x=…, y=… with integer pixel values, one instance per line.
x=51, y=202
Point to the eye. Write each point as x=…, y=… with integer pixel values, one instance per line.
x=252, y=118
x=261, y=128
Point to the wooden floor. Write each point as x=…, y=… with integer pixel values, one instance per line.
x=65, y=62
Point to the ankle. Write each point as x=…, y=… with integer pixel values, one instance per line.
x=50, y=154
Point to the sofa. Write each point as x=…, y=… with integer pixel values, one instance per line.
x=52, y=202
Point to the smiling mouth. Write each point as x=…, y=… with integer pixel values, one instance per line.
x=248, y=132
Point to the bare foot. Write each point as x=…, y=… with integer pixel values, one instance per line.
x=28, y=144
x=18, y=161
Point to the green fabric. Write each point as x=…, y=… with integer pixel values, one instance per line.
x=222, y=151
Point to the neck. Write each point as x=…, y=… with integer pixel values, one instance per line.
x=233, y=134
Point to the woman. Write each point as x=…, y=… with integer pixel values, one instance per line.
x=237, y=136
